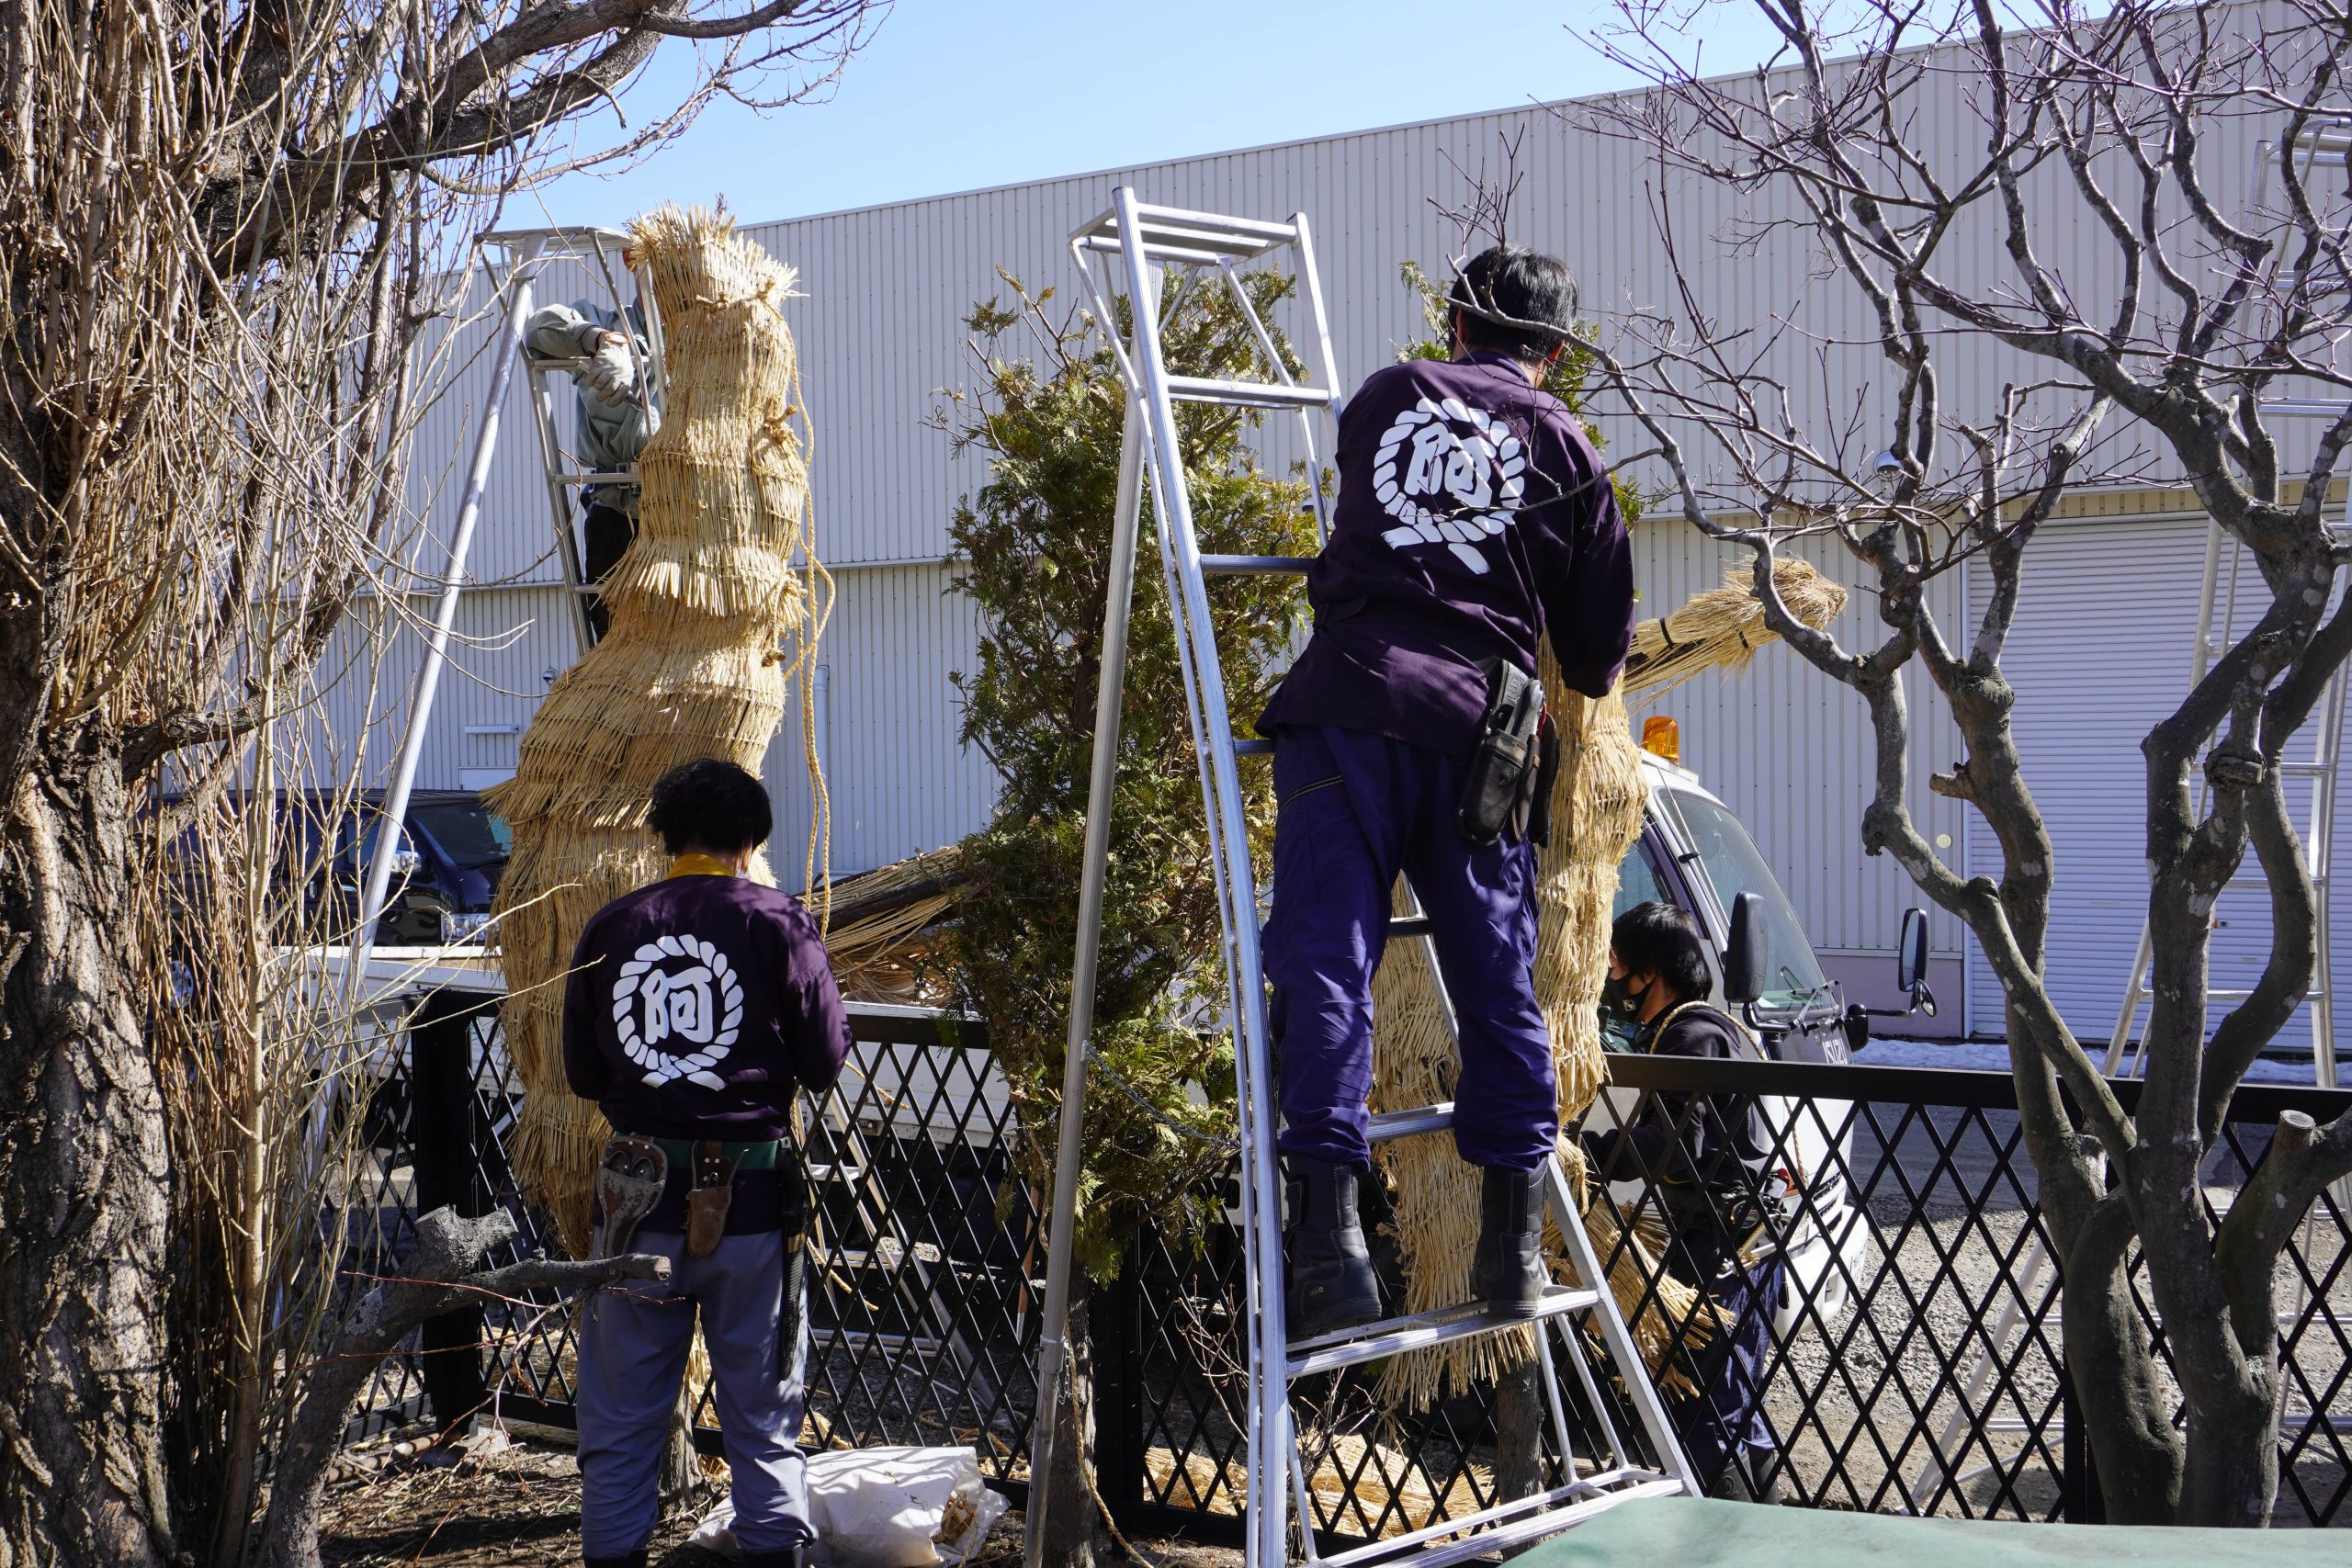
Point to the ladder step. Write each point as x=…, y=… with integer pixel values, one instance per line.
x=1182, y=235
x=1394, y=1335
x=1388, y=1125
x=1247, y=394
x=1521, y=1520
x=1253, y=747
x=1403, y=926
x=1255, y=566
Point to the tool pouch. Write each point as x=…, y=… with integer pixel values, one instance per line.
x=1498, y=785
x=630, y=1179
x=713, y=1189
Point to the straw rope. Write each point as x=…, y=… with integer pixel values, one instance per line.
x=715, y=611
x=1722, y=627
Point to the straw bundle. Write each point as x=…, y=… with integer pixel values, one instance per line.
x=1722, y=628
x=1355, y=1481
x=692, y=667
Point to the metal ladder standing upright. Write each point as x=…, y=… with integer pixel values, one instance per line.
x=1146, y=242
x=512, y=277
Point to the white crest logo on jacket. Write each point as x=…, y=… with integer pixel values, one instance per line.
x=1450, y=474
x=699, y=1005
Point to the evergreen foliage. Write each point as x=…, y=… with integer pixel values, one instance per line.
x=1035, y=542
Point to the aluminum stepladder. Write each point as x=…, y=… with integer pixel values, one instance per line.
x=1146, y=242
x=2216, y=628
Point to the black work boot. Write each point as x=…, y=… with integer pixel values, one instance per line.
x=630, y=1560
x=1508, y=1272
x=1331, y=1284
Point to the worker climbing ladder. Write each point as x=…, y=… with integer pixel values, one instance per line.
x=1144, y=243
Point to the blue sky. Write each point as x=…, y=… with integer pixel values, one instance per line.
x=951, y=96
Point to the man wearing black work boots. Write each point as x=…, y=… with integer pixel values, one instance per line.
x=1474, y=517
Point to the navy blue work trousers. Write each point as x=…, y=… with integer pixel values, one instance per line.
x=1355, y=809
x=1724, y=1421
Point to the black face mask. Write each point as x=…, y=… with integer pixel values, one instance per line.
x=1620, y=1008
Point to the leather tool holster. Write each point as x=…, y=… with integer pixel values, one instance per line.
x=713, y=1189
x=630, y=1179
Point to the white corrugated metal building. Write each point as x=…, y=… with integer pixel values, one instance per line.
x=2102, y=648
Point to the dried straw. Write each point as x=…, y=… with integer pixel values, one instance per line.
x=695, y=663
x=1722, y=628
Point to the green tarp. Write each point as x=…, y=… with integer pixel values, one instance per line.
x=1676, y=1532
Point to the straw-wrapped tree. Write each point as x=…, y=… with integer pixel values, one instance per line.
x=2156, y=364
x=219, y=225
x=1035, y=541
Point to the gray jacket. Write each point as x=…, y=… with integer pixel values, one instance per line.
x=609, y=435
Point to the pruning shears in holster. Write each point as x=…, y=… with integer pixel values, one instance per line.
x=1507, y=784
x=630, y=1179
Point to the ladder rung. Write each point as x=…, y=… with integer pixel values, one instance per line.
x=1260, y=566
x=1253, y=747
x=1521, y=1518
x=2259, y=884
x=2306, y=768
x=603, y=477
x=1182, y=235
x=1390, y=1124
x=1247, y=394
x=1390, y=1337
x=1403, y=926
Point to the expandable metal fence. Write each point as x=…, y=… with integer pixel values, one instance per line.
x=1914, y=1366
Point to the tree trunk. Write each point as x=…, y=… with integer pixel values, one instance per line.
x=1071, y=1516
x=1519, y=1436
x=85, y=1187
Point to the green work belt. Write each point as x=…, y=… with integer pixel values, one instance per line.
x=761, y=1156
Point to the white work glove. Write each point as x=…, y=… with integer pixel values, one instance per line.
x=611, y=371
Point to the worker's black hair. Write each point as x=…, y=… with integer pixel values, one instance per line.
x=710, y=804
x=1535, y=292
x=1658, y=939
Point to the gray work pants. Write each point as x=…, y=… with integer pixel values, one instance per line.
x=633, y=1344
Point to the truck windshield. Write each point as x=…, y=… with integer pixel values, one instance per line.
x=1792, y=973
x=466, y=830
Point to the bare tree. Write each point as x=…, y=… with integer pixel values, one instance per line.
x=2153, y=366
x=222, y=222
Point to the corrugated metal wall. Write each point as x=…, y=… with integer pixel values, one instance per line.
x=2101, y=650
x=880, y=333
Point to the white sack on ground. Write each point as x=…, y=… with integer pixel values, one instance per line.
x=885, y=1508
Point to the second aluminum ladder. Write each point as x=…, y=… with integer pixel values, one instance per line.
x=1144, y=242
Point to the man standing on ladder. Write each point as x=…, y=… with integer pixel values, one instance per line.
x=611, y=426
x=1473, y=517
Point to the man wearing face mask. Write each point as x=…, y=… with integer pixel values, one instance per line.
x=1474, y=522
x=1711, y=1164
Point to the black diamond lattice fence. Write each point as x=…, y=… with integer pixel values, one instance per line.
x=1912, y=1361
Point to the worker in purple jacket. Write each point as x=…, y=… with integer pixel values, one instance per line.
x=1472, y=518
x=696, y=1007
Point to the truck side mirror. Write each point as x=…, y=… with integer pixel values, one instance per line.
x=1911, y=953
x=1744, y=958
